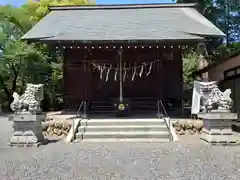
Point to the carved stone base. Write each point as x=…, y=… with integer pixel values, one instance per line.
x=220, y=139
x=11, y=144
x=27, y=130
x=217, y=128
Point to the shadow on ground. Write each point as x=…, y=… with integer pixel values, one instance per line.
x=50, y=141
x=236, y=128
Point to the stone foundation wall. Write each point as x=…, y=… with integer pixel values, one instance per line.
x=188, y=127
x=56, y=128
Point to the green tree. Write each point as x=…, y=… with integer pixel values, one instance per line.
x=15, y=21
x=215, y=11
x=223, y=51
x=11, y=29
x=20, y=62
x=53, y=85
x=223, y=13
x=206, y=7
x=190, y=62
x=38, y=9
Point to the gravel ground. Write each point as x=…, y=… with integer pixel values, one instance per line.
x=118, y=161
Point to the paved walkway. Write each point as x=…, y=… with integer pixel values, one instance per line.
x=117, y=161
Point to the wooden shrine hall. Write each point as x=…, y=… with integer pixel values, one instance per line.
x=129, y=56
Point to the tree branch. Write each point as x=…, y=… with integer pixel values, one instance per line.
x=2, y=84
x=14, y=82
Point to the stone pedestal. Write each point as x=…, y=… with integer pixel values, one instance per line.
x=217, y=128
x=27, y=130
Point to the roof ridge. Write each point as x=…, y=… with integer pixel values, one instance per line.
x=122, y=6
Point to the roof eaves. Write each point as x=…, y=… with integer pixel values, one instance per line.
x=221, y=34
x=34, y=38
x=122, y=6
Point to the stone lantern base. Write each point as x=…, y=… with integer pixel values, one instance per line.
x=27, y=130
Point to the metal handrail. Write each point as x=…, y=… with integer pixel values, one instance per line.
x=79, y=109
x=77, y=115
x=159, y=102
x=164, y=110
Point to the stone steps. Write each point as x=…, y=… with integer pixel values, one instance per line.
x=123, y=130
x=123, y=134
x=111, y=140
x=123, y=122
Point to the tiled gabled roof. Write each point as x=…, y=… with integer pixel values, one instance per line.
x=136, y=22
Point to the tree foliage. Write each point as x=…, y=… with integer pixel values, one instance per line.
x=22, y=62
x=17, y=59
x=223, y=52
x=190, y=62
x=38, y=9
x=228, y=22
x=224, y=14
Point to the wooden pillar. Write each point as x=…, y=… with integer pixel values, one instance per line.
x=85, y=69
x=182, y=81
x=161, y=78
x=64, y=69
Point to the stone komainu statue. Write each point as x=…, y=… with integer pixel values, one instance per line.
x=214, y=99
x=29, y=100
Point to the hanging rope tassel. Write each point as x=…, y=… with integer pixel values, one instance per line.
x=99, y=67
x=141, y=72
x=101, y=72
x=94, y=67
x=127, y=71
x=150, y=69
x=104, y=69
x=144, y=68
x=134, y=72
x=116, y=74
x=108, y=71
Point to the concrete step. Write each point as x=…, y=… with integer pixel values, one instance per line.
x=123, y=134
x=110, y=140
x=144, y=107
x=132, y=112
x=101, y=110
x=121, y=122
x=123, y=128
x=135, y=107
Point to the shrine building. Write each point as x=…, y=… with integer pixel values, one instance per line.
x=127, y=52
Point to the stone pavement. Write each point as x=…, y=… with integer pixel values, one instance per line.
x=5, y=130
x=122, y=161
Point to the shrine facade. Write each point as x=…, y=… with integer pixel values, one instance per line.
x=133, y=52
x=148, y=73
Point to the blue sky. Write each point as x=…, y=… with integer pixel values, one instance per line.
x=19, y=2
